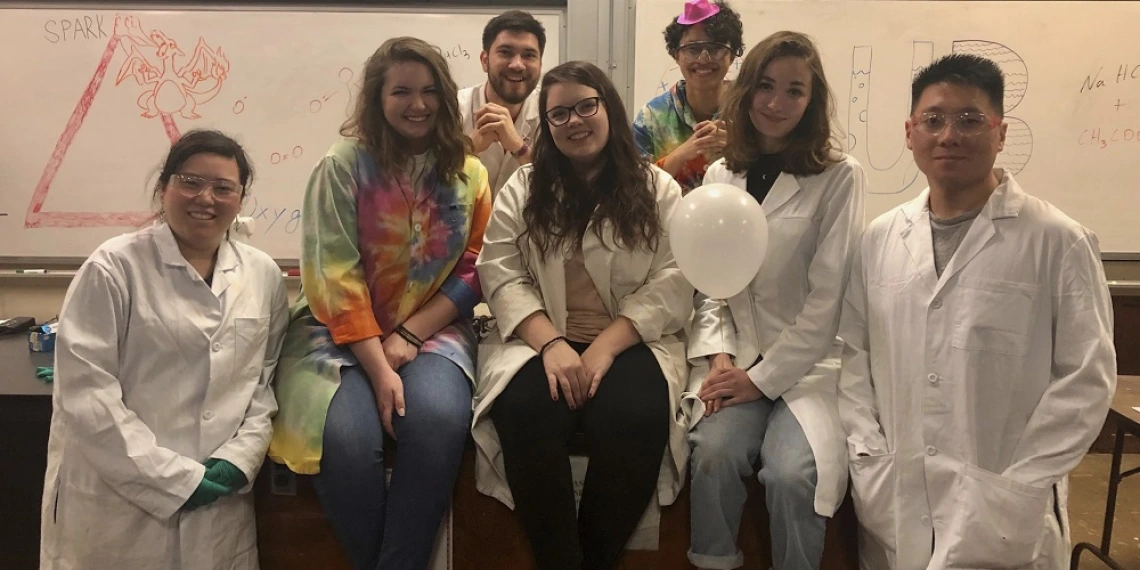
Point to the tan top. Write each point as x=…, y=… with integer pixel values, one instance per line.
x=586, y=316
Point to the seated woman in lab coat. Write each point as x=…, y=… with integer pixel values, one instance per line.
x=381, y=343
x=767, y=365
x=589, y=302
x=167, y=343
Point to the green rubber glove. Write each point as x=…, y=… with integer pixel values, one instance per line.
x=46, y=374
x=225, y=474
x=206, y=493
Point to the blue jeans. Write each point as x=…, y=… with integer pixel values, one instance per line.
x=726, y=446
x=394, y=529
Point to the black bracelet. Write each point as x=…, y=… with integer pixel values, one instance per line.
x=542, y=351
x=408, y=336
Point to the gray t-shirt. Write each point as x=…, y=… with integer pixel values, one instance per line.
x=948, y=236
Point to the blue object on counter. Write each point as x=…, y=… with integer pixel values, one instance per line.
x=42, y=338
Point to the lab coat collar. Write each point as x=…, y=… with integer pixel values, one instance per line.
x=225, y=267
x=1004, y=203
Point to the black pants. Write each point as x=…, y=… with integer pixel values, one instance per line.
x=626, y=425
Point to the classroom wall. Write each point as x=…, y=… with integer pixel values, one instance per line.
x=597, y=30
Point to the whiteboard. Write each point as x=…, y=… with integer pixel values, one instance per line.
x=1072, y=90
x=78, y=158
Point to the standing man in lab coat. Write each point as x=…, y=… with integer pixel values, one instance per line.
x=501, y=114
x=978, y=364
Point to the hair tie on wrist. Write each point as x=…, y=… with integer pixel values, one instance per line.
x=408, y=336
x=549, y=343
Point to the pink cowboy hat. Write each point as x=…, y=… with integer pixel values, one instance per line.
x=697, y=11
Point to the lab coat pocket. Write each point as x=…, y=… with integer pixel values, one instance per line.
x=873, y=492
x=252, y=336
x=994, y=316
x=999, y=522
x=103, y=530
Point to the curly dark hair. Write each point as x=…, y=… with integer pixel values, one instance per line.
x=811, y=145
x=561, y=204
x=368, y=124
x=723, y=27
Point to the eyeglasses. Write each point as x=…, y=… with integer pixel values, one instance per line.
x=695, y=50
x=967, y=124
x=587, y=107
x=192, y=186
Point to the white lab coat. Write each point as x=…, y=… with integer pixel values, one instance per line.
x=155, y=374
x=500, y=164
x=790, y=311
x=646, y=288
x=974, y=394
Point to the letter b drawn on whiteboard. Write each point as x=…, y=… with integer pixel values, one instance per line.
x=894, y=176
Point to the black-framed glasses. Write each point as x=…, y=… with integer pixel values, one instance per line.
x=587, y=107
x=192, y=186
x=967, y=124
x=694, y=50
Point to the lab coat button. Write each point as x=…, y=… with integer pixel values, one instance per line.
x=419, y=227
x=925, y=520
x=937, y=304
x=932, y=378
x=217, y=346
x=930, y=450
x=208, y=415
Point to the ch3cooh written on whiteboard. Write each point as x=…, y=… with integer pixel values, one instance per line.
x=1123, y=82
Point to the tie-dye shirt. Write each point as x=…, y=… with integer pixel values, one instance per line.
x=664, y=124
x=376, y=247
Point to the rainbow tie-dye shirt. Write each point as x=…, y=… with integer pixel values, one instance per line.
x=376, y=247
x=664, y=124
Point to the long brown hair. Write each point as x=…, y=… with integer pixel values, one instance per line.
x=368, y=123
x=811, y=146
x=561, y=204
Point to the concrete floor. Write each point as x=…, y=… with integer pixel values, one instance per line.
x=1088, y=490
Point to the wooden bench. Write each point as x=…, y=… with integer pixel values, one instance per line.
x=293, y=533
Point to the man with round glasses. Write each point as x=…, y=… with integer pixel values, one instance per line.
x=978, y=364
x=680, y=130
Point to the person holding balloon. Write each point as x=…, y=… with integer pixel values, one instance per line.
x=590, y=306
x=763, y=344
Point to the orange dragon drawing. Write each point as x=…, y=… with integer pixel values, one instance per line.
x=170, y=88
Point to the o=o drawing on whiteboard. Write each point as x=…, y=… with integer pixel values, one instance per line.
x=278, y=157
x=1019, y=137
x=173, y=82
x=346, y=74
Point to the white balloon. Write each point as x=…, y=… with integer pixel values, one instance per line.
x=719, y=237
